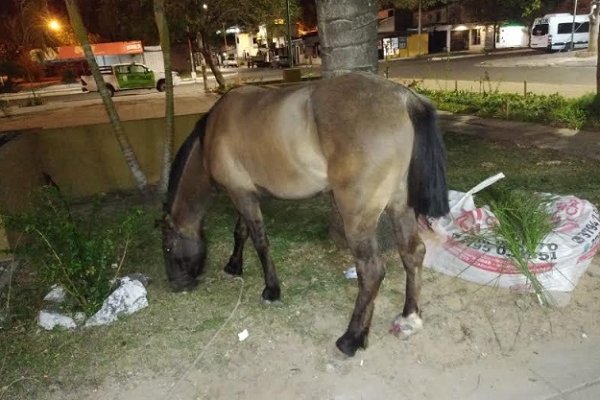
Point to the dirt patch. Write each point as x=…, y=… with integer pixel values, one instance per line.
x=290, y=352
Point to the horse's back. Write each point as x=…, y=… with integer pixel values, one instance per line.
x=266, y=139
x=297, y=141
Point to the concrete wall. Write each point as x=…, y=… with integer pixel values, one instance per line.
x=82, y=161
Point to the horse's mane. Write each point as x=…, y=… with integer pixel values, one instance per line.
x=181, y=158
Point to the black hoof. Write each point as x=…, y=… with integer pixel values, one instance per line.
x=182, y=286
x=271, y=294
x=348, y=344
x=233, y=268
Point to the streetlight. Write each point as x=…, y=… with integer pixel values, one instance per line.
x=54, y=25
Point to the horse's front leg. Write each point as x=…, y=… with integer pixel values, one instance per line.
x=249, y=208
x=236, y=261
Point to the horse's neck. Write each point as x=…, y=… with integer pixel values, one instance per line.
x=193, y=194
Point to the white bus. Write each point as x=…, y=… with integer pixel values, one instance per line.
x=553, y=32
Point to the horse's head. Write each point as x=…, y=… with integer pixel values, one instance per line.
x=184, y=255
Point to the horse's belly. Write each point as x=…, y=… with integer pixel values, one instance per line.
x=301, y=177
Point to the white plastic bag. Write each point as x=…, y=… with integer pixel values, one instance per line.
x=562, y=258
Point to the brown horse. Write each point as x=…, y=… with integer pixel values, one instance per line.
x=373, y=143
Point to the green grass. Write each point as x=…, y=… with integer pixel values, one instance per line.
x=175, y=327
x=583, y=112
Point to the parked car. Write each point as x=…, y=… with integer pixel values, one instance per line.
x=118, y=77
x=280, y=62
x=258, y=61
x=230, y=61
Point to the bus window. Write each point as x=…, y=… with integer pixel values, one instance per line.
x=540, y=30
x=583, y=27
x=565, y=27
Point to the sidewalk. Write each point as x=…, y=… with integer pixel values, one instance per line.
x=579, y=143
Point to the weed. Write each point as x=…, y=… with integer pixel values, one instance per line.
x=72, y=250
x=523, y=223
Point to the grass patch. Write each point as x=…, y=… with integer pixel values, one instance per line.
x=168, y=334
x=579, y=113
x=523, y=223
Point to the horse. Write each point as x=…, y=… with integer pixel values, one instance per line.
x=372, y=143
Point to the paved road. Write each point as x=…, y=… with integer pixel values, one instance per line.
x=534, y=67
x=473, y=68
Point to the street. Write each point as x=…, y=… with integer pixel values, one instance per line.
x=536, y=67
x=510, y=66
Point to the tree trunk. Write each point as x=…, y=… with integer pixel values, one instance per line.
x=347, y=36
x=598, y=69
x=594, y=43
x=594, y=22
x=205, y=50
x=169, y=133
x=348, y=40
x=81, y=34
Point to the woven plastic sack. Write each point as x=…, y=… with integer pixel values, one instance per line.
x=562, y=258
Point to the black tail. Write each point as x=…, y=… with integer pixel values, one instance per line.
x=427, y=189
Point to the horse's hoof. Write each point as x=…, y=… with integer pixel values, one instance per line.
x=271, y=294
x=407, y=325
x=233, y=269
x=348, y=344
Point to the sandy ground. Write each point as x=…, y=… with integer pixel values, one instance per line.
x=478, y=343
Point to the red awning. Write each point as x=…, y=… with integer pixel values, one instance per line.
x=101, y=49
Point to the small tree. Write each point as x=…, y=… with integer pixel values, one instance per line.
x=130, y=158
x=212, y=16
x=165, y=44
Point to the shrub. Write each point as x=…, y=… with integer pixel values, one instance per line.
x=73, y=251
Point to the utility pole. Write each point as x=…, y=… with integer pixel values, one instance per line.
x=289, y=27
x=573, y=27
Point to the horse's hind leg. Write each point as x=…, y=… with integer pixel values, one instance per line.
x=249, y=208
x=412, y=252
x=236, y=263
x=360, y=224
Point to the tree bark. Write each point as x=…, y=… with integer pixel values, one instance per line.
x=205, y=50
x=594, y=45
x=347, y=36
x=348, y=40
x=169, y=133
x=594, y=22
x=81, y=33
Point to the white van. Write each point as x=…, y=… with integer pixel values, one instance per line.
x=553, y=32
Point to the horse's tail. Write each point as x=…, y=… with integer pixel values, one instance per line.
x=427, y=189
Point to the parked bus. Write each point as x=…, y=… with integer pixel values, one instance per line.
x=553, y=32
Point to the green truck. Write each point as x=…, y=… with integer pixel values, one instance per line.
x=118, y=77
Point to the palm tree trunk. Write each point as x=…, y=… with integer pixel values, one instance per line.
x=347, y=35
x=348, y=42
x=81, y=33
x=165, y=44
x=594, y=45
x=594, y=22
